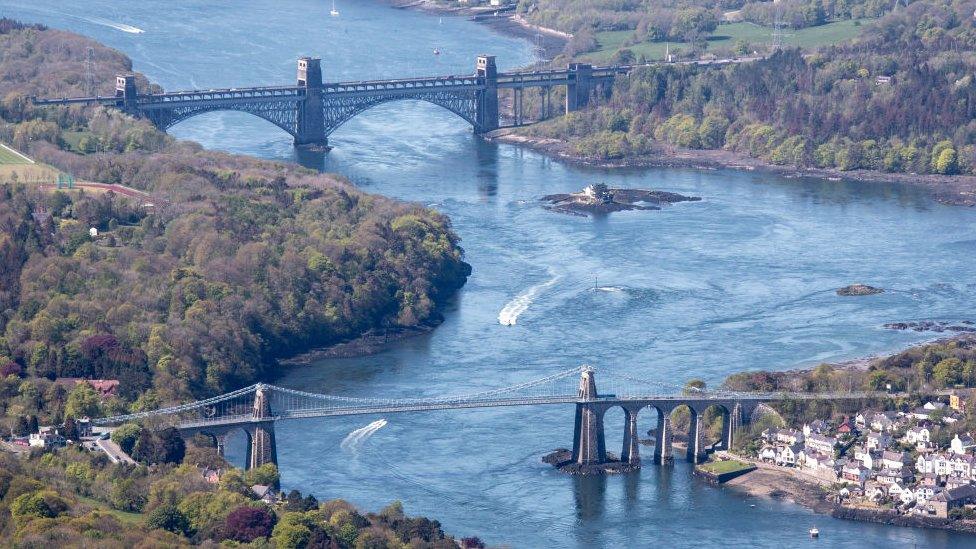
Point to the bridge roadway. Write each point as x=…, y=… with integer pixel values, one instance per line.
x=254, y=411
x=311, y=110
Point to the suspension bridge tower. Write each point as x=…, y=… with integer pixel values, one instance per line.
x=262, y=435
x=589, y=444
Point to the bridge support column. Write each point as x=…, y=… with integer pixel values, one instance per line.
x=696, y=450
x=311, y=120
x=662, y=446
x=580, y=83
x=487, y=115
x=125, y=92
x=589, y=444
x=221, y=441
x=262, y=448
x=631, y=450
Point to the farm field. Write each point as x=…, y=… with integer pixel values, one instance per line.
x=725, y=36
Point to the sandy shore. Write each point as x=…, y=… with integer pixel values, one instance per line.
x=957, y=190
x=768, y=481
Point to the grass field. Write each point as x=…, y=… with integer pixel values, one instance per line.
x=726, y=35
x=124, y=517
x=722, y=467
x=10, y=156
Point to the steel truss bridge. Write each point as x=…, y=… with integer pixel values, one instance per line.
x=255, y=409
x=312, y=109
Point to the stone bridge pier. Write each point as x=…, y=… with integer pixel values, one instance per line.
x=259, y=432
x=589, y=441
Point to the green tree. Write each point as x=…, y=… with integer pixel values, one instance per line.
x=83, y=401
x=126, y=436
x=292, y=531
x=169, y=518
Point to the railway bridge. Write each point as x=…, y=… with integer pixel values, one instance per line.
x=312, y=109
x=256, y=409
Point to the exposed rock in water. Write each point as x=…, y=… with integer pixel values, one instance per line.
x=932, y=326
x=859, y=289
x=562, y=459
x=601, y=199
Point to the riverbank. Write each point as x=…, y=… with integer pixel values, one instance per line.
x=958, y=190
x=793, y=486
x=503, y=20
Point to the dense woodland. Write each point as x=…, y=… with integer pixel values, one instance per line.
x=74, y=498
x=231, y=263
x=224, y=265
x=901, y=98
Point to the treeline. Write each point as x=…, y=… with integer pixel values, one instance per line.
x=900, y=99
x=227, y=264
x=75, y=498
x=916, y=371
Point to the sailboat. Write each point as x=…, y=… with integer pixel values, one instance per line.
x=334, y=12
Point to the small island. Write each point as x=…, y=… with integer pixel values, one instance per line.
x=562, y=459
x=599, y=198
x=859, y=289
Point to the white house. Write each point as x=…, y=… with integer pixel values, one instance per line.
x=821, y=443
x=894, y=460
x=962, y=445
x=962, y=466
x=788, y=455
x=866, y=458
x=920, y=436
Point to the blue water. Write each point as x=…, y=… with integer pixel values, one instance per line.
x=744, y=279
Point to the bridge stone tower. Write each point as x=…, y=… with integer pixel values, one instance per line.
x=262, y=448
x=589, y=444
x=311, y=122
x=125, y=92
x=662, y=447
x=580, y=84
x=487, y=116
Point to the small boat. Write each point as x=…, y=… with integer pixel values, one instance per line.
x=437, y=51
x=814, y=533
x=334, y=12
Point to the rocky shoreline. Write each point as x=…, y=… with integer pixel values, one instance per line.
x=958, y=190
x=562, y=459
x=503, y=20
x=367, y=344
x=896, y=519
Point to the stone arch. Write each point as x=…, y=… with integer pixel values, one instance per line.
x=715, y=425
x=614, y=430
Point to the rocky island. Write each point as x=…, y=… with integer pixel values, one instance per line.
x=562, y=459
x=600, y=199
x=859, y=289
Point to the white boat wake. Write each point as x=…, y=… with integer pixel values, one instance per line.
x=357, y=437
x=111, y=24
x=511, y=311
x=608, y=289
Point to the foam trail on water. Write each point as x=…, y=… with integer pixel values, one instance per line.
x=111, y=24
x=355, y=438
x=511, y=311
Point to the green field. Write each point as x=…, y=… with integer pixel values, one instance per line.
x=124, y=517
x=725, y=36
x=722, y=467
x=8, y=156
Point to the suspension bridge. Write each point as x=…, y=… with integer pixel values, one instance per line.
x=254, y=410
x=312, y=109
